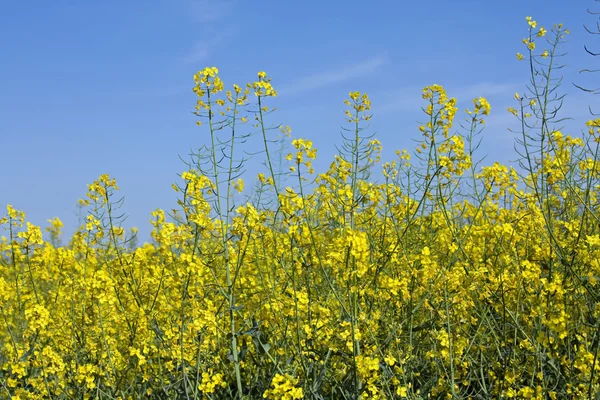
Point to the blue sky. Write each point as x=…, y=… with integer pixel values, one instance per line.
x=94, y=87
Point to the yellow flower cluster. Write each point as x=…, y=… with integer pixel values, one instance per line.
x=284, y=387
x=529, y=41
x=304, y=149
x=263, y=87
x=360, y=104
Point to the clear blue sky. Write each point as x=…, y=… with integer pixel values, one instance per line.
x=92, y=87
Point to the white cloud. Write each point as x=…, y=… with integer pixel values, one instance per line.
x=199, y=52
x=209, y=10
x=206, y=11
x=409, y=99
x=328, y=78
x=484, y=89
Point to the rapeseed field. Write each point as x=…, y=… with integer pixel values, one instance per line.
x=431, y=276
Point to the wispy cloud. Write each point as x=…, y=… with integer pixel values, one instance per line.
x=206, y=12
x=209, y=10
x=484, y=89
x=328, y=78
x=203, y=49
x=408, y=99
x=574, y=110
x=199, y=52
